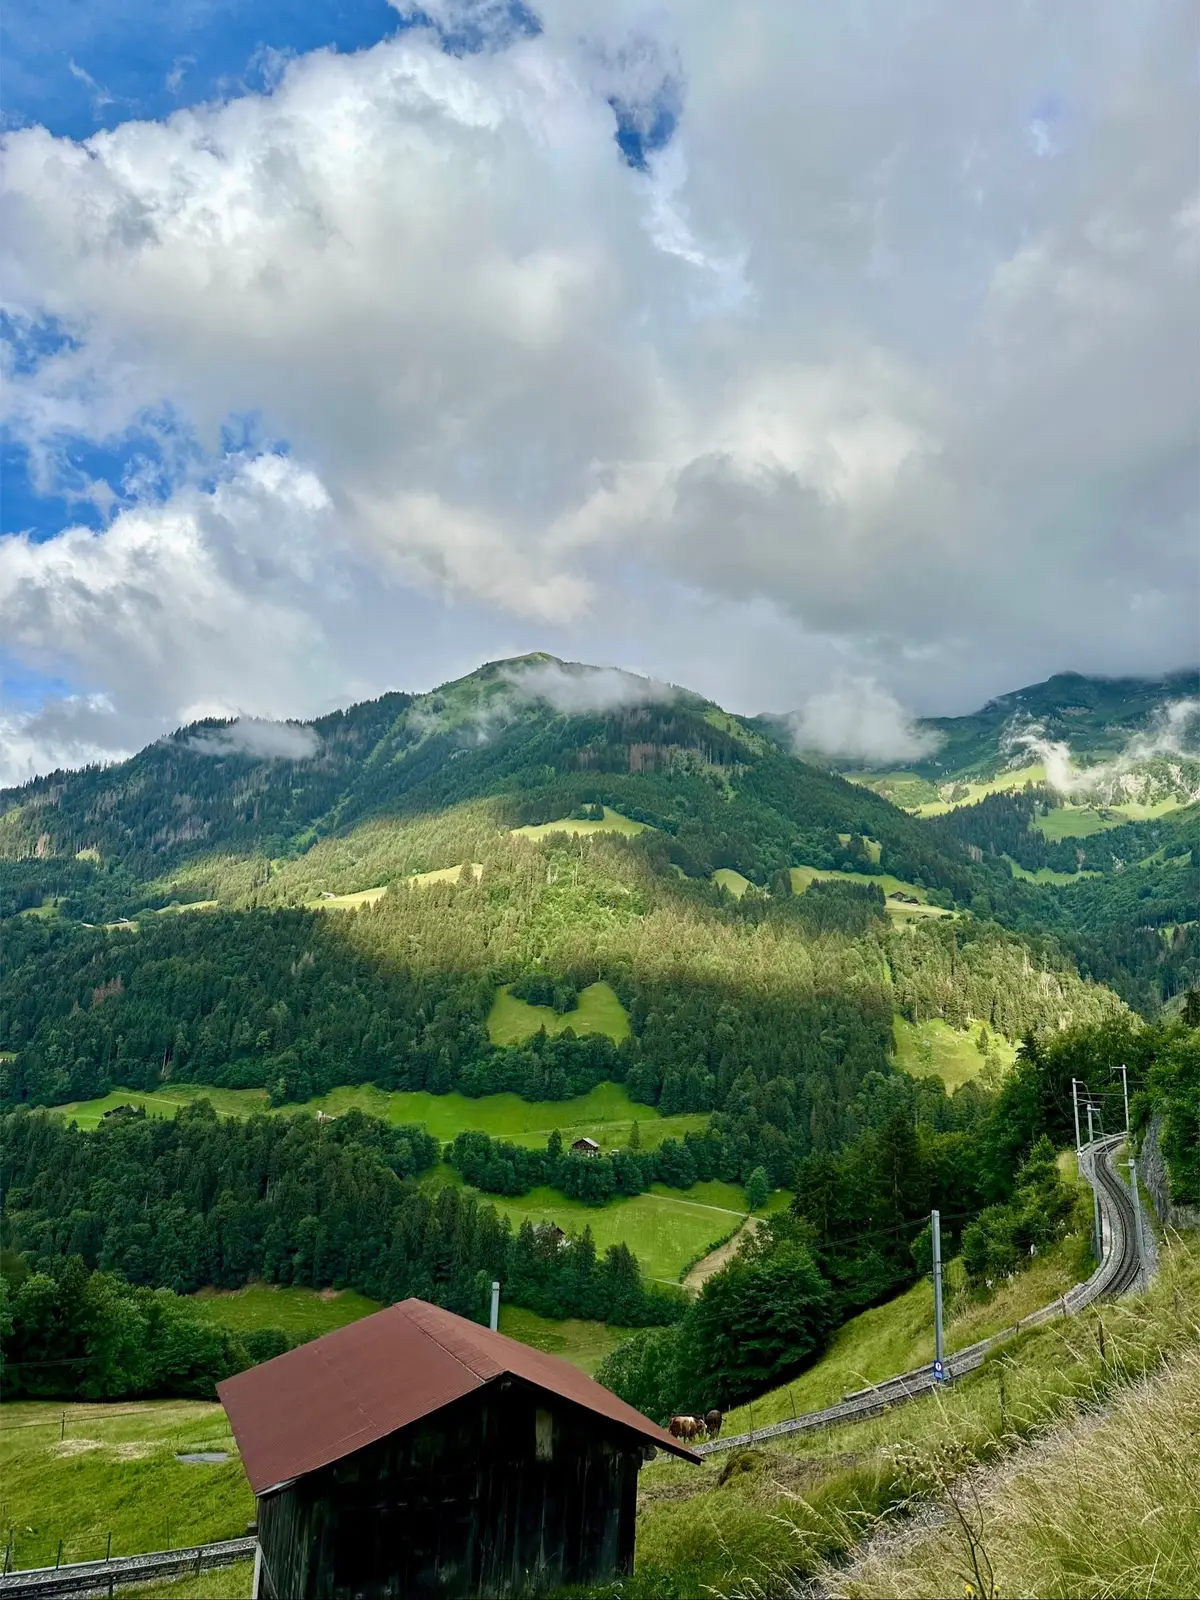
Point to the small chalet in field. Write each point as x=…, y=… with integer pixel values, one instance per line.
x=417, y=1454
x=586, y=1147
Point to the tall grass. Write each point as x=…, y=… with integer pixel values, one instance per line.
x=765, y=1521
x=1113, y=1508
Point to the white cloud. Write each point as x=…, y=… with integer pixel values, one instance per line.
x=849, y=352
x=578, y=689
x=1174, y=730
x=858, y=720
x=255, y=736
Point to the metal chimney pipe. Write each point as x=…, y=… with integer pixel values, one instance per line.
x=494, y=1319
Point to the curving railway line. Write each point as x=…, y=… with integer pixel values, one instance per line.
x=1119, y=1271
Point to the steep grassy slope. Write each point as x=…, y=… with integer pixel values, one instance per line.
x=764, y=1520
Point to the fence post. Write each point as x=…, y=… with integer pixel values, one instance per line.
x=108, y=1548
x=58, y=1557
x=63, y=1430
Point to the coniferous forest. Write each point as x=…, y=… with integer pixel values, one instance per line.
x=202, y=917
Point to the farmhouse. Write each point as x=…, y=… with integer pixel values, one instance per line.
x=414, y=1453
x=586, y=1147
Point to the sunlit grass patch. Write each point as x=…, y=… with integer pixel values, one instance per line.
x=934, y=1049
x=613, y=822
x=512, y=1021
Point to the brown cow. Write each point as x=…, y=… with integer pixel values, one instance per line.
x=686, y=1427
x=712, y=1423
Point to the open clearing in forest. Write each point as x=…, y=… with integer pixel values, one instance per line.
x=605, y=1113
x=667, y=1229
x=613, y=822
x=512, y=1021
x=803, y=876
x=301, y=1313
x=583, y=1344
x=935, y=1049
x=1046, y=874
x=113, y=1469
x=1076, y=822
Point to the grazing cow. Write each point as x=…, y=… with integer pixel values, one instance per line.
x=712, y=1423
x=686, y=1427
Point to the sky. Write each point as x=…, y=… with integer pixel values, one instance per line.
x=833, y=359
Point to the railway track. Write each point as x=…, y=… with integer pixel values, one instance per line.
x=1118, y=1272
x=104, y=1577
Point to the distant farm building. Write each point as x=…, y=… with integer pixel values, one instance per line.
x=549, y=1233
x=417, y=1454
x=586, y=1147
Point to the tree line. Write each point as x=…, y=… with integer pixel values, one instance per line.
x=196, y=1201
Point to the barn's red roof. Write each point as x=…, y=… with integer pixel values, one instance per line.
x=329, y=1398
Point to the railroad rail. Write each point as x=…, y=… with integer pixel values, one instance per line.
x=103, y=1577
x=1118, y=1272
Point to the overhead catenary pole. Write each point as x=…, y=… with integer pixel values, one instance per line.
x=1097, y=1236
x=938, y=1342
x=1124, y=1071
x=1137, y=1222
x=1075, y=1104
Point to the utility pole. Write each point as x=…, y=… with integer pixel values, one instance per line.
x=1075, y=1104
x=1137, y=1221
x=1125, y=1085
x=1096, y=1233
x=494, y=1320
x=938, y=1342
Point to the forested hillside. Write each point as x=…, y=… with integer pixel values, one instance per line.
x=485, y=892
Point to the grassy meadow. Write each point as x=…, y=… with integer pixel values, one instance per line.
x=613, y=822
x=934, y=1049
x=512, y=1021
x=76, y=1473
x=301, y=1313
x=605, y=1113
x=667, y=1229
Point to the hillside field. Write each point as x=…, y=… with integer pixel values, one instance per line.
x=934, y=1049
x=512, y=1021
x=75, y=1473
x=613, y=822
x=605, y=1114
x=667, y=1229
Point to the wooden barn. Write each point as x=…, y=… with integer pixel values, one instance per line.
x=417, y=1454
x=586, y=1147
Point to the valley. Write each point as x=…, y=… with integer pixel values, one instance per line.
x=578, y=1005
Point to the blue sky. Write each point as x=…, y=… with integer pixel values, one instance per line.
x=760, y=358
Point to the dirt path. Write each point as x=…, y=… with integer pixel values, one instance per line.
x=720, y=1257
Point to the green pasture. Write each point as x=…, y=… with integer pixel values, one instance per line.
x=164, y=1102
x=77, y=1472
x=667, y=1229
x=731, y=880
x=1076, y=822
x=301, y=1313
x=583, y=1344
x=613, y=822
x=803, y=876
x=935, y=1049
x=177, y=906
x=605, y=1113
x=1015, y=778
x=1046, y=874
x=512, y=1021
x=368, y=897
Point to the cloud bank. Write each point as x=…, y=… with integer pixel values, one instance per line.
x=844, y=361
x=859, y=720
x=578, y=690
x=1173, y=734
x=252, y=736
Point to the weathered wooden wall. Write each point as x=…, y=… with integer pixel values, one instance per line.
x=506, y=1492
